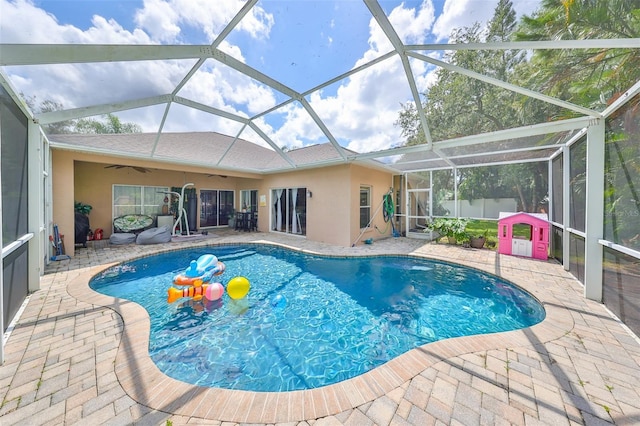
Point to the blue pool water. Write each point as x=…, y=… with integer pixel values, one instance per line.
x=310, y=321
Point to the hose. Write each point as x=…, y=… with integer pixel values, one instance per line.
x=387, y=203
x=389, y=209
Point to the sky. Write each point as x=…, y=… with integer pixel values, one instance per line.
x=300, y=43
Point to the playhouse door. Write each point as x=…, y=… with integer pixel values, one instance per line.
x=521, y=247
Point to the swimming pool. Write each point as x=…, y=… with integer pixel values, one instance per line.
x=310, y=320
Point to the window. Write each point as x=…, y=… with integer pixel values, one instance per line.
x=133, y=199
x=365, y=206
x=249, y=200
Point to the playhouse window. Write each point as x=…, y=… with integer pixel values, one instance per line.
x=522, y=231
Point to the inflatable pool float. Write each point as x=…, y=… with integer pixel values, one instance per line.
x=209, y=291
x=200, y=271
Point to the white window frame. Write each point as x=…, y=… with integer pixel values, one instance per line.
x=149, y=209
x=367, y=189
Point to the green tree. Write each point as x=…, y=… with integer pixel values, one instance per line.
x=458, y=105
x=82, y=125
x=592, y=78
x=587, y=77
x=48, y=105
x=111, y=125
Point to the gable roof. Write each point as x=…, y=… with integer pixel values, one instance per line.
x=512, y=215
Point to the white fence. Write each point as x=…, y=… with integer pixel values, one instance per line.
x=484, y=208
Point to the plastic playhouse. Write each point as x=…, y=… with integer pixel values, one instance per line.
x=537, y=246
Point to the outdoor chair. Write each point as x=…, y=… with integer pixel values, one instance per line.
x=241, y=221
x=253, y=221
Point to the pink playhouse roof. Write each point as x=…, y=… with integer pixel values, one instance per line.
x=512, y=217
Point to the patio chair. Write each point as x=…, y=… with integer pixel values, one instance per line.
x=253, y=221
x=241, y=221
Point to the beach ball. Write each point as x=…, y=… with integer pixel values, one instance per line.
x=214, y=291
x=279, y=301
x=238, y=287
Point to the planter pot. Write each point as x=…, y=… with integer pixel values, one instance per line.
x=452, y=240
x=477, y=242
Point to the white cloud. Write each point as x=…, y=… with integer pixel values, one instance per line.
x=163, y=19
x=359, y=111
x=413, y=26
x=366, y=106
x=76, y=85
x=159, y=19
x=222, y=87
x=22, y=22
x=462, y=13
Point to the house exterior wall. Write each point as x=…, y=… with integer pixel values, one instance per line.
x=333, y=210
x=62, y=181
x=328, y=207
x=380, y=183
x=84, y=178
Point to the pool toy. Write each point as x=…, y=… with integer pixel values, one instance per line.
x=220, y=269
x=279, y=302
x=210, y=292
x=200, y=271
x=238, y=287
x=214, y=291
x=196, y=293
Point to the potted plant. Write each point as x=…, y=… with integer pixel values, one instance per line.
x=452, y=228
x=82, y=208
x=478, y=241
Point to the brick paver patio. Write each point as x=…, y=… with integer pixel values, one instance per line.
x=77, y=357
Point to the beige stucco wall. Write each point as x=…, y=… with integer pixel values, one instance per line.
x=380, y=182
x=62, y=181
x=332, y=210
x=84, y=178
x=327, y=208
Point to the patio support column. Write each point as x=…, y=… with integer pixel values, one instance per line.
x=36, y=206
x=430, y=194
x=455, y=192
x=594, y=220
x=566, y=189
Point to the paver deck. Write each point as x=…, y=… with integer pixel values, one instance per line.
x=78, y=357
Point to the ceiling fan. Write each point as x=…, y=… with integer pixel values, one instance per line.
x=136, y=168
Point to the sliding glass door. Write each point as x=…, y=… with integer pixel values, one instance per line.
x=289, y=210
x=216, y=206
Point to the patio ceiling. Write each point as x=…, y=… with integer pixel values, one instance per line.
x=531, y=143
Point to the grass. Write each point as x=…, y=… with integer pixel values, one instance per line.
x=476, y=227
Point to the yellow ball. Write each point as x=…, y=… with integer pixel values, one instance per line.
x=238, y=287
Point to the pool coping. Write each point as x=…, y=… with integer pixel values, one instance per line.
x=145, y=383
